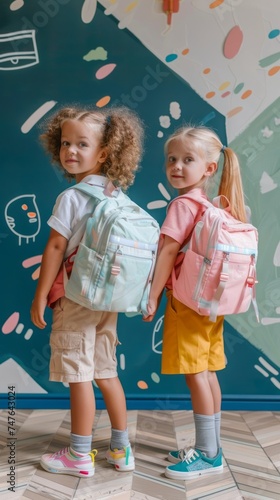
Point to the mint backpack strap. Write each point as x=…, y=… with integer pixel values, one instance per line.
x=93, y=191
x=100, y=196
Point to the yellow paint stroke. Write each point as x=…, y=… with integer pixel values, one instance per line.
x=246, y=94
x=224, y=85
x=103, y=101
x=185, y=52
x=206, y=71
x=234, y=111
x=209, y=95
x=215, y=4
x=131, y=6
x=273, y=70
x=142, y=385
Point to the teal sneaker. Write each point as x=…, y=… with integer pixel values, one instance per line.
x=177, y=456
x=194, y=464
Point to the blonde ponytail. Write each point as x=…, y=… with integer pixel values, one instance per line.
x=231, y=184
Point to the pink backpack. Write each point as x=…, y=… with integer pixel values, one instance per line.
x=218, y=273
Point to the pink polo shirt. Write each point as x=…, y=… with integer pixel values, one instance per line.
x=182, y=215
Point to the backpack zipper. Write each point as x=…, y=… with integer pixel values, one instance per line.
x=206, y=262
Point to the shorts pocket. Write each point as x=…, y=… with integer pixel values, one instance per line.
x=66, y=350
x=59, y=305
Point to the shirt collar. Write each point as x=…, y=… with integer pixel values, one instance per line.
x=96, y=180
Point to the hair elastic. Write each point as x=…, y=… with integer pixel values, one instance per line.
x=222, y=150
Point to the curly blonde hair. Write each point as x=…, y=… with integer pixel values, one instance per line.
x=208, y=143
x=121, y=132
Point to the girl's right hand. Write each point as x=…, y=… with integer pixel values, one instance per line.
x=37, y=312
x=152, y=309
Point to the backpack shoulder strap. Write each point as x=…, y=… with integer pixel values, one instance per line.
x=93, y=191
x=222, y=202
x=199, y=201
x=219, y=201
x=96, y=192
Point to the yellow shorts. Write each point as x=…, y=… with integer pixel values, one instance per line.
x=83, y=343
x=191, y=343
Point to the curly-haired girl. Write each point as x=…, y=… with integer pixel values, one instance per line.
x=96, y=147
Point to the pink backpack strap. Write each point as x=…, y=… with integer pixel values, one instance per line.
x=218, y=202
x=219, y=292
x=221, y=202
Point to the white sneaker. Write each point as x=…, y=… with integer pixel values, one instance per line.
x=66, y=461
x=123, y=459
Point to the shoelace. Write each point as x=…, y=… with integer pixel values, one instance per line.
x=190, y=455
x=93, y=454
x=182, y=453
x=65, y=450
x=60, y=452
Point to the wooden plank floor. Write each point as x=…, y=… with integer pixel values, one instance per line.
x=251, y=453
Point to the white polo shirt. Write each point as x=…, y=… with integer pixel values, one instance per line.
x=71, y=211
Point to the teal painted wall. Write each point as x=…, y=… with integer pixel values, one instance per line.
x=51, y=57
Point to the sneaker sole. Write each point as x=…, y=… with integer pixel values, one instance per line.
x=121, y=468
x=190, y=475
x=85, y=473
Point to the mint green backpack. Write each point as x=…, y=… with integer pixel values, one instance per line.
x=114, y=264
